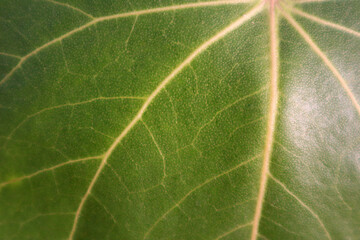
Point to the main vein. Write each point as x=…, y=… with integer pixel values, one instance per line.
x=120, y=15
x=247, y=16
x=273, y=105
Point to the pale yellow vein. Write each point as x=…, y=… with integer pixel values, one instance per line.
x=10, y=55
x=302, y=204
x=273, y=105
x=71, y=7
x=105, y=208
x=247, y=16
x=325, y=22
x=325, y=59
x=234, y=205
x=233, y=230
x=225, y=108
x=286, y=149
x=310, y=1
x=279, y=225
x=262, y=236
x=131, y=31
x=177, y=204
x=3, y=184
x=66, y=105
x=121, y=15
x=158, y=148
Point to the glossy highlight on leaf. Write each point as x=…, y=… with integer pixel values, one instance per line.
x=227, y=119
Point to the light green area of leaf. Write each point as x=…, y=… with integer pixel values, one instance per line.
x=168, y=119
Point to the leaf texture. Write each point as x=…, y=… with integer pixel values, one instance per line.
x=228, y=119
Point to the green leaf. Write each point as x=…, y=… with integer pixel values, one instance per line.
x=174, y=119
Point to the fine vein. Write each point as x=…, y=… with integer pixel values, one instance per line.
x=310, y=1
x=302, y=204
x=158, y=148
x=71, y=7
x=279, y=225
x=273, y=105
x=3, y=184
x=177, y=204
x=233, y=230
x=120, y=15
x=10, y=55
x=325, y=59
x=227, y=107
x=247, y=16
x=27, y=118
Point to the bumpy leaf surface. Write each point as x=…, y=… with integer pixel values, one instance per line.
x=179, y=119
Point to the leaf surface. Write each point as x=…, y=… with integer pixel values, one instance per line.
x=229, y=119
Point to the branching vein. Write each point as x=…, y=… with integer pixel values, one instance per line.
x=247, y=16
x=177, y=204
x=225, y=108
x=66, y=105
x=120, y=15
x=302, y=204
x=325, y=59
x=71, y=7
